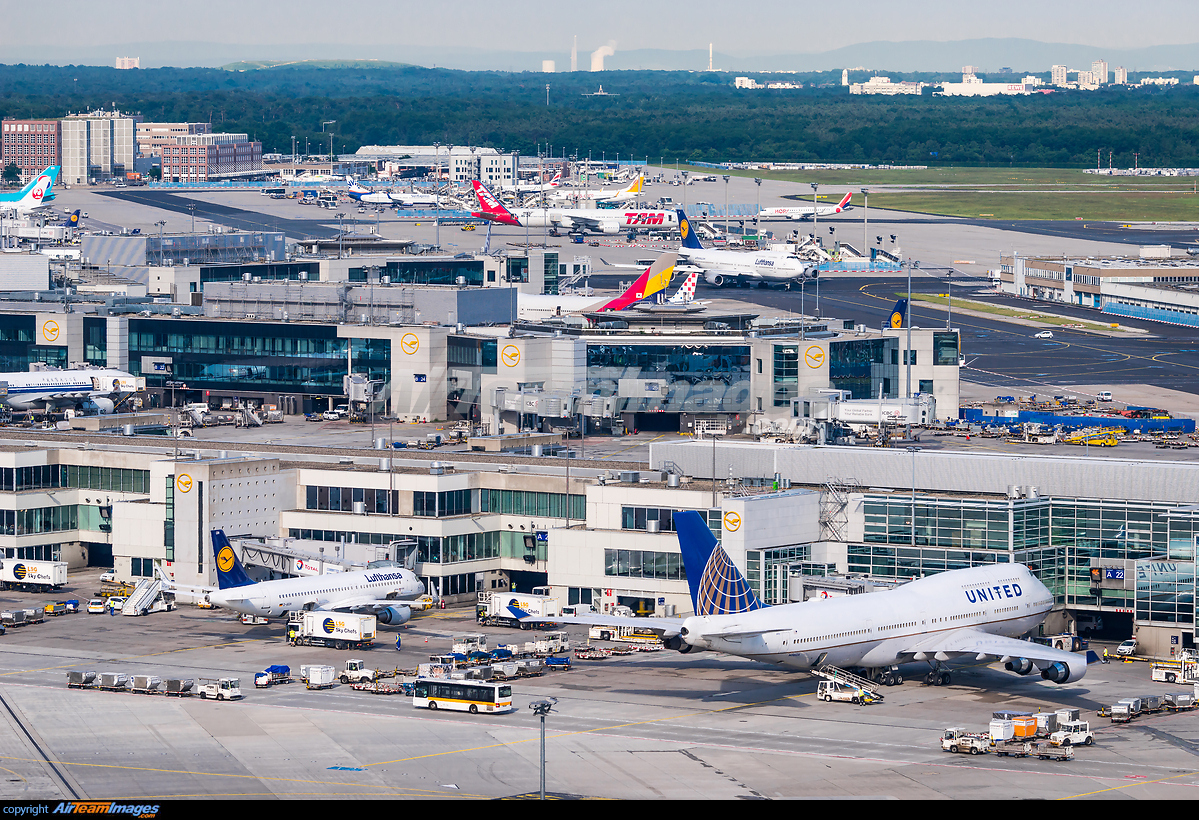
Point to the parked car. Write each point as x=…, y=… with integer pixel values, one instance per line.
x=331, y=415
x=116, y=602
x=1044, y=334
x=1129, y=647
x=110, y=575
x=95, y=606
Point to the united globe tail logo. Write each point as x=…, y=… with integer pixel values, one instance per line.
x=225, y=559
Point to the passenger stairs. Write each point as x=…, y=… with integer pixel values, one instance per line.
x=843, y=678
x=147, y=597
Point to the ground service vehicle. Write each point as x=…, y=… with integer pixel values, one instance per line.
x=339, y=630
x=508, y=608
x=356, y=671
x=829, y=691
x=1167, y=671
x=1129, y=647
x=223, y=689
x=1072, y=734
x=1047, y=751
x=95, y=606
x=463, y=696
x=272, y=675
x=959, y=740
x=39, y=576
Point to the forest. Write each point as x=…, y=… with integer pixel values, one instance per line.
x=672, y=116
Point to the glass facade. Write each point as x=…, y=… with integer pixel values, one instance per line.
x=786, y=374
x=698, y=378
x=439, y=271
x=467, y=361
x=438, y=505
x=272, y=272
x=945, y=348
x=667, y=566
x=258, y=356
x=520, y=502
x=1165, y=592
x=861, y=365
x=342, y=499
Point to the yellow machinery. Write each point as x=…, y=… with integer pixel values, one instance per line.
x=1094, y=437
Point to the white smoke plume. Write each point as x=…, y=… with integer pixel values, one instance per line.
x=597, y=56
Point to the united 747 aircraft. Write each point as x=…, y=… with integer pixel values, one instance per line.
x=964, y=614
x=388, y=592
x=805, y=211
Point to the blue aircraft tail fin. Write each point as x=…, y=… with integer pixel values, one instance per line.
x=690, y=240
x=899, y=313
x=717, y=586
x=229, y=571
x=74, y=219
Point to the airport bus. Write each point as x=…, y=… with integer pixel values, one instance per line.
x=275, y=193
x=462, y=695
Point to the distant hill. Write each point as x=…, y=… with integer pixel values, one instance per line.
x=258, y=65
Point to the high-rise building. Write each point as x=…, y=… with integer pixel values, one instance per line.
x=95, y=146
x=845, y=76
x=1121, y=75
x=31, y=145
x=1099, y=72
x=128, y=62
x=1057, y=74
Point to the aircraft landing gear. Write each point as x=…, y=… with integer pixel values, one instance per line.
x=938, y=676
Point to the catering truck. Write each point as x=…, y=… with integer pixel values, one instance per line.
x=535, y=610
x=339, y=630
x=36, y=576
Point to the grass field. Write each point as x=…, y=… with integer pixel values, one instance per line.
x=1003, y=312
x=1011, y=193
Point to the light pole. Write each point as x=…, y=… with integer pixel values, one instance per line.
x=684, y=192
x=865, y=215
x=815, y=216
x=191, y=207
x=758, y=210
x=726, y=208
x=913, y=451
x=160, y=223
x=340, y=232
x=907, y=354
x=323, y=124
x=541, y=708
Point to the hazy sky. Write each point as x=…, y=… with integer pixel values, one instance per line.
x=760, y=27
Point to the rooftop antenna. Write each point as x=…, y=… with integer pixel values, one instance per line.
x=574, y=55
x=709, y=56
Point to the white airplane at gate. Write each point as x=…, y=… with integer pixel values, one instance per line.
x=595, y=220
x=966, y=614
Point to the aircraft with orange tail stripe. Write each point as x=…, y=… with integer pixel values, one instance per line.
x=653, y=280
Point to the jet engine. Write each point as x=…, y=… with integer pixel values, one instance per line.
x=394, y=615
x=1062, y=673
x=609, y=227
x=677, y=643
x=714, y=279
x=98, y=405
x=1021, y=666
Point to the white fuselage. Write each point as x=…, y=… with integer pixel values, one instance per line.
x=596, y=220
x=798, y=213
x=272, y=599
x=65, y=388
x=880, y=628
x=761, y=266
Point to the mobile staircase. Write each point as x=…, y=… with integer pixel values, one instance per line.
x=148, y=596
x=848, y=679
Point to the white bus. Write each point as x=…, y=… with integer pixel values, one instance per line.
x=463, y=695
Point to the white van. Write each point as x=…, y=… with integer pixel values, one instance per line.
x=1104, y=396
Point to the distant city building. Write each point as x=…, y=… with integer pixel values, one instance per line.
x=547, y=66
x=1058, y=75
x=1099, y=72
x=96, y=146
x=883, y=85
x=971, y=69
x=1159, y=81
x=31, y=145
x=487, y=165
x=1087, y=81
x=748, y=82
x=128, y=62
x=1121, y=75
x=972, y=86
x=152, y=136
x=207, y=157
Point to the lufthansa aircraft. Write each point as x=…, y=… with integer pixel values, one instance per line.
x=721, y=267
x=966, y=614
x=389, y=593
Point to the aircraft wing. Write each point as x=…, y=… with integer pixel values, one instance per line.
x=944, y=646
x=669, y=627
x=372, y=604
x=608, y=264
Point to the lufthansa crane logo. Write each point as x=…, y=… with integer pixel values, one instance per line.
x=732, y=521
x=814, y=356
x=897, y=319
x=511, y=355
x=184, y=483
x=224, y=559
x=684, y=228
x=409, y=343
x=50, y=330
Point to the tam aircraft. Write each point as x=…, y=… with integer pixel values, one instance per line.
x=964, y=614
x=805, y=212
x=94, y=391
x=37, y=194
x=721, y=267
x=654, y=280
x=595, y=220
x=387, y=591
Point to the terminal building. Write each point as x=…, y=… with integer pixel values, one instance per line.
x=1152, y=286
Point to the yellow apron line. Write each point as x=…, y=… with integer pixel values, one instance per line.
x=1126, y=785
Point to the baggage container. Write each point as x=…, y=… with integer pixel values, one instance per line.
x=81, y=680
x=180, y=686
x=1068, y=716
x=317, y=676
x=1024, y=727
x=114, y=681
x=1047, y=723
x=1002, y=731
x=146, y=684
